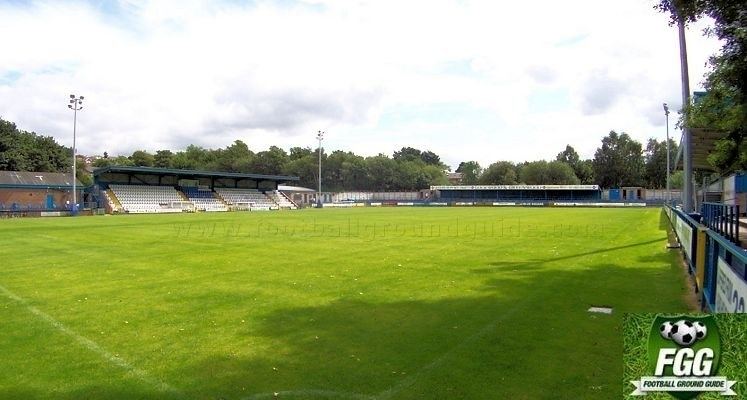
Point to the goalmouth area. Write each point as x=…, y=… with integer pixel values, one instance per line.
x=365, y=303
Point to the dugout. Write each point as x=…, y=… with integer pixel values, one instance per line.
x=517, y=193
x=33, y=193
x=120, y=175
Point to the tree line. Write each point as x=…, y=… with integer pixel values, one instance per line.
x=407, y=169
x=619, y=161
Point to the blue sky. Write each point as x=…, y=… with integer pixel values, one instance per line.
x=470, y=80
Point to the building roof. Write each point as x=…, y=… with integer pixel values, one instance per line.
x=516, y=187
x=703, y=144
x=24, y=179
x=189, y=172
x=286, y=188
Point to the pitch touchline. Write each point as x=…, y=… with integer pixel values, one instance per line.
x=90, y=344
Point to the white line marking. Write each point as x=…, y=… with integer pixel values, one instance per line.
x=91, y=345
x=412, y=379
x=306, y=393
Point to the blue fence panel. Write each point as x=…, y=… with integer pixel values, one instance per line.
x=724, y=263
x=726, y=275
x=723, y=219
x=740, y=183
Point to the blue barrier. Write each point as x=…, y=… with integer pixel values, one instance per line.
x=723, y=219
x=719, y=266
x=685, y=228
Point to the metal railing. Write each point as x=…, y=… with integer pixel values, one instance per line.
x=723, y=219
x=717, y=264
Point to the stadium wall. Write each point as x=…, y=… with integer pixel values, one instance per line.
x=16, y=199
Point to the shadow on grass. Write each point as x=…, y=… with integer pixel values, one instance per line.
x=499, y=343
x=664, y=223
x=523, y=338
x=501, y=266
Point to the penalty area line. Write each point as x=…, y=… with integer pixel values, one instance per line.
x=90, y=344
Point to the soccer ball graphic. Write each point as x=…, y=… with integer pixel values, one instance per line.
x=700, y=330
x=666, y=330
x=684, y=333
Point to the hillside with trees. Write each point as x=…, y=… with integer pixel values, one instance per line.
x=619, y=161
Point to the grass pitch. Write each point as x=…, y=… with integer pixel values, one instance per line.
x=375, y=303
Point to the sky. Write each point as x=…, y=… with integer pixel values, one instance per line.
x=479, y=80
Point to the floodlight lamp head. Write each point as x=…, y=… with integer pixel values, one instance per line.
x=81, y=97
x=72, y=96
x=666, y=109
x=69, y=106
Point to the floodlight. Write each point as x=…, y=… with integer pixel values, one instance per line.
x=81, y=97
x=72, y=96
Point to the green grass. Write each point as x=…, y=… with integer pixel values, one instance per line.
x=381, y=303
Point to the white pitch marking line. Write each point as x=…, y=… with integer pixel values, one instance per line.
x=90, y=344
x=412, y=379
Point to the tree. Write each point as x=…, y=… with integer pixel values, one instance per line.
x=235, y=158
x=162, y=158
x=548, y=173
x=656, y=163
x=499, y=173
x=677, y=180
x=141, y=158
x=193, y=157
x=81, y=173
x=534, y=173
x=619, y=161
x=585, y=172
x=470, y=171
x=305, y=168
x=380, y=171
x=560, y=173
x=581, y=168
x=724, y=107
x=299, y=152
x=269, y=162
x=353, y=171
x=568, y=156
x=102, y=162
x=332, y=170
x=435, y=175
x=412, y=154
x=431, y=158
x=407, y=154
x=27, y=151
x=409, y=176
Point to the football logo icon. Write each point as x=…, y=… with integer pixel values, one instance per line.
x=683, y=332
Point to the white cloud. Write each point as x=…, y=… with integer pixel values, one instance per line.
x=161, y=74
